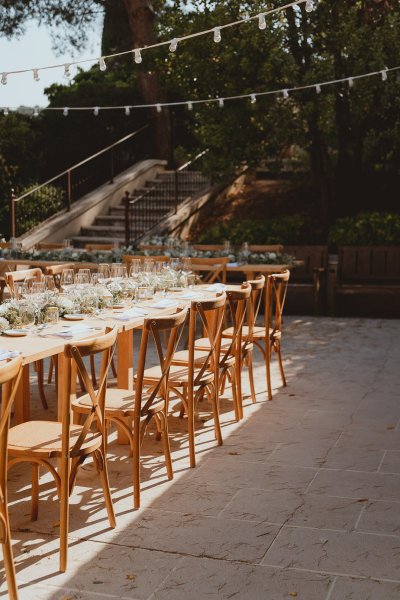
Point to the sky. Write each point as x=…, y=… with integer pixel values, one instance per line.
x=34, y=49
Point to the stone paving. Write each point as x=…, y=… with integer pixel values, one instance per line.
x=302, y=500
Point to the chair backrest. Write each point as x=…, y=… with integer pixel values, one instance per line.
x=14, y=276
x=77, y=352
x=50, y=246
x=94, y=247
x=214, y=268
x=208, y=247
x=152, y=327
x=275, y=296
x=10, y=375
x=209, y=314
x=266, y=248
x=152, y=248
x=237, y=307
x=257, y=288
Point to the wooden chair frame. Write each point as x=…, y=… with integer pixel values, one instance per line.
x=12, y=277
x=10, y=376
x=76, y=448
x=215, y=268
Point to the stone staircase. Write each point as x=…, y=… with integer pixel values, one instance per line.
x=159, y=198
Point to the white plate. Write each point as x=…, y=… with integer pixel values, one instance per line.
x=76, y=317
x=15, y=332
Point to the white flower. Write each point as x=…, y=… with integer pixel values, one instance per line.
x=4, y=324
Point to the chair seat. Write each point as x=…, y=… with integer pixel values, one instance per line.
x=204, y=344
x=119, y=403
x=178, y=376
x=43, y=439
x=258, y=332
x=182, y=357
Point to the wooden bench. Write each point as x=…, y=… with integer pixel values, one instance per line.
x=368, y=281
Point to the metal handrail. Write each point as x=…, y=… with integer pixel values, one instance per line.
x=82, y=162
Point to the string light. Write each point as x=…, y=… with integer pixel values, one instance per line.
x=102, y=64
x=96, y=111
x=216, y=30
x=221, y=101
x=36, y=111
x=36, y=75
x=262, y=23
x=138, y=56
x=173, y=45
x=384, y=75
x=318, y=88
x=65, y=111
x=217, y=34
x=4, y=78
x=127, y=111
x=67, y=70
x=5, y=112
x=253, y=98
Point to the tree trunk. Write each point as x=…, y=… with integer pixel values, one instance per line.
x=141, y=18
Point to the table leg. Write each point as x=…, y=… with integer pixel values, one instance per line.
x=125, y=371
x=22, y=412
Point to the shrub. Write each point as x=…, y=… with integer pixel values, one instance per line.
x=38, y=207
x=290, y=229
x=367, y=229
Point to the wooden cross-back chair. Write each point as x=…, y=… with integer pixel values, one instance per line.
x=38, y=442
x=214, y=269
x=132, y=411
x=197, y=373
x=244, y=351
x=268, y=338
x=10, y=375
x=13, y=277
x=238, y=298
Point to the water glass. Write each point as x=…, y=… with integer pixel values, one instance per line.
x=67, y=279
x=27, y=315
x=51, y=314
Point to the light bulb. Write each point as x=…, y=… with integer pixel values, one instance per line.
x=221, y=103
x=127, y=111
x=190, y=105
x=285, y=93
x=173, y=45
x=217, y=34
x=96, y=111
x=318, y=88
x=36, y=75
x=159, y=108
x=246, y=17
x=102, y=64
x=67, y=71
x=4, y=78
x=309, y=6
x=5, y=112
x=138, y=56
x=65, y=111
x=384, y=75
x=262, y=24
x=36, y=112
x=253, y=98
x=351, y=82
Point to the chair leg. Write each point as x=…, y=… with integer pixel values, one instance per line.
x=136, y=463
x=190, y=415
x=251, y=377
x=40, y=376
x=235, y=396
x=35, y=492
x=51, y=367
x=278, y=350
x=267, y=357
x=103, y=472
x=64, y=511
x=215, y=409
x=9, y=564
x=238, y=379
x=167, y=449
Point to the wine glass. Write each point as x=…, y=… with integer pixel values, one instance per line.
x=103, y=272
x=84, y=276
x=67, y=280
x=27, y=315
x=20, y=290
x=49, y=283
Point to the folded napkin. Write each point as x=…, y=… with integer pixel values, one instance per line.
x=132, y=313
x=190, y=295
x=74, y=330
x=164, y=303
x=216, y=287
x=8, y=354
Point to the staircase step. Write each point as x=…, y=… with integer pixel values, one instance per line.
x=156, y=210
